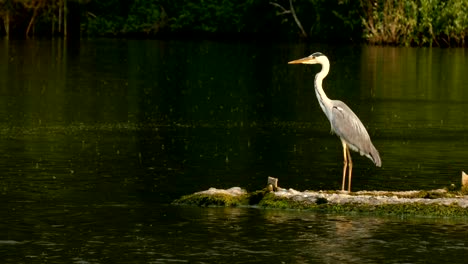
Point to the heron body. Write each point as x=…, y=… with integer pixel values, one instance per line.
x=344, y=122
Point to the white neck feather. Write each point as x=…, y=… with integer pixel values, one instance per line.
x=324, y=101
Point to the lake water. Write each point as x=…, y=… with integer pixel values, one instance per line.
x=98, y=137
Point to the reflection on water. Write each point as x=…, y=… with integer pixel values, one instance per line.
x=97, y=138
x=218, y=111
x=132, y=233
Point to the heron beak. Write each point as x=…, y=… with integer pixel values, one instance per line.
x=306, y=60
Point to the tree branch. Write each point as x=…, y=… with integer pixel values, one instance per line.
x=282, y=8
x=293, y=13
x=304, y=34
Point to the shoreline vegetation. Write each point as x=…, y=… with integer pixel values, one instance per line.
x=442, y=23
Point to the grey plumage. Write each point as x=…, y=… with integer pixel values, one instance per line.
x=348, y=127
x=344, y=122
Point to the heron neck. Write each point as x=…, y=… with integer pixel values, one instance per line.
x=324, y=101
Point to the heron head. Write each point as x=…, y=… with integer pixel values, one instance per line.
x=315, y=58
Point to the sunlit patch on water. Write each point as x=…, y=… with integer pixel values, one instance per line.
x=11, y=242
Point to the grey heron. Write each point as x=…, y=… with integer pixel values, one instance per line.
x=344, y=122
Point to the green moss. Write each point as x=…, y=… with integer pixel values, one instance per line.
x=273, y=201
x=257, y=196
x=201, y=199
x=401, y=209
x=431, y=194
x=421, y=209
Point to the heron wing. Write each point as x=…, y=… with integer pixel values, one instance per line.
x=349, y=128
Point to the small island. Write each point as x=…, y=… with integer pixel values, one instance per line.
x=432, y=203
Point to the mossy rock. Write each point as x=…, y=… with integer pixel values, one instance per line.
x=271, y=200
x=415, y=202
x=202, y=199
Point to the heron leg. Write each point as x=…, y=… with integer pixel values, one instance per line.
x=345, y=163
x=350, y=168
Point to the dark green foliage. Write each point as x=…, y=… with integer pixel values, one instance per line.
x=222, y=17
x=323, y=20
x=331, y=20
x=208, y=16
x=408, y=22
x=411, y=22
x=125, y=17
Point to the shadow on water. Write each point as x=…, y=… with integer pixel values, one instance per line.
x=98, y=137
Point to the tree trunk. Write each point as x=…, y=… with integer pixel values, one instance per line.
x=31, y=22
x=6, y=22
x=39, y=5
x=53, y=25
x=65, y=11
x=60, y=6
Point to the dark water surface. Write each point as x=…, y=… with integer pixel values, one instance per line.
x=97, y=138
